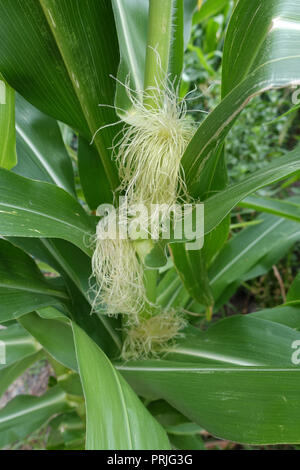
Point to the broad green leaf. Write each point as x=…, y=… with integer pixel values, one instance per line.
x=71, y=384
x=288, y=209
x=285, y=315
x=215, y=240
x=23, y=288
x=116, y=419
x=238, y=340
x=191, y=267
x=10, y=373
x=214, y=175
x=75, y=268
x=105, y=331
x=294, y=292
x=51, y=313
x=93, y=180
x=8, y=155
x=67, y=50
x=25, y=414
x=54, y=335
x=215, y=127
x=131, y=18
x=219, y=205
x=18, y=344
x=254, y=405
x=277, y=252
x=41, y=151
x=170, y=291
x=247, y=250
x=209, y=8
x=29, y=50
x=67, y=433
x=258, y=33
x=62, y=256
x=236, y=380
x=184, y=429
x=165, y=414
x=261, y=52
x=187, y=442
x=46, y=211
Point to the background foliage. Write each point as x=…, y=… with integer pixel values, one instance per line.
x=231, y=376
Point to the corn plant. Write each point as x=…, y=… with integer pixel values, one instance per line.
x=130, y=322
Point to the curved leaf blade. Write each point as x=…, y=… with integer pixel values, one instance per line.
x=42, y=154
x=23, y=288
x=25, y=414
x=75, y=268
x=219, y=205
x=59, y=49
x=240, y=385
x=18, y=344
x=116, y=419
x=55, y=336
x=282, y=208
x=261, y=52
x=46, y=211
x=10, y=373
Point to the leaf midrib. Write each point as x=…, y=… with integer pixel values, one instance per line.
x=57, y=399
x=49, y=292
x=40, y=158
x=102, y=150
x=45, y=215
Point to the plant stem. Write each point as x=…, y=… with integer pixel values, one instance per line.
x=156, y=70
x=158, y=48
x=209, y=313
x=143, y=248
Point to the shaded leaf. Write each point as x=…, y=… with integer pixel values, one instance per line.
x=23, y=288
x=42, y=154
x=25, y=414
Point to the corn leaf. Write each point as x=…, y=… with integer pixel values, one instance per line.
x=8, y=155
x=26, y=413
x=67, y=50
x=239, y=368
x=54, y=335
x=252, y=252
x=23, y=288
x=116, y=419
x=261, y=52
x=41, y=151
x=11, y=372
x=18, y=344
x=282, y=208
x=131, y=18
x=75, y=268
x=46, y=211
